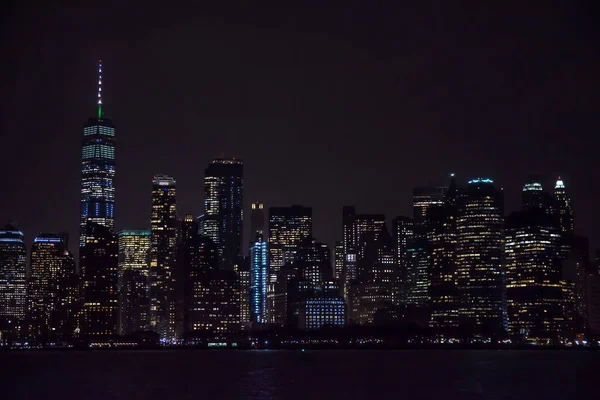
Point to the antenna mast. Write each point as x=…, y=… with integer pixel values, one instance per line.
x=99, y=89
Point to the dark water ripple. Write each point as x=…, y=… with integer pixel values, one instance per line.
x=312, y=375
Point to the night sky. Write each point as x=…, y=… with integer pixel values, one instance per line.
x=326, y=106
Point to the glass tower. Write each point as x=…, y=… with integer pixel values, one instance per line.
x=259, y=279
x=223, y=208
x=163, y=236
x=479, y=251
x=13, y=265
x=565, y=209
x=98, y=169
x=134, y=246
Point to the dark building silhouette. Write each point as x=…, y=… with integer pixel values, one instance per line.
x=98, y=169
x=53, y=288
x=163, y=225
x=99, y=269
x=479, y=254
x=257, y=222
x=223, y=208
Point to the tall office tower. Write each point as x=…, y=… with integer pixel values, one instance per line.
x=215, y=304
x=257, y=221
x=223, y=207
x=402, y=233
x=314, y=262
x=98, y=169
x=288, y=228
x=338, y=260
x=259, y=280
x=13, y=269
x=204, y=262
x=533, y=275
x=423, y=199
x=444, y=300
x=535, y=198
x=565, y=209
x=188, y=259
x=479, y=251
x=243, y=276
x=576, y=269
x=163, y=236
x=52, y=288
x=593, y=304
x=350, y=271
x=416, y=283
x=99, y=269
x=134, y=270
x=377, y=291
x=368, y=230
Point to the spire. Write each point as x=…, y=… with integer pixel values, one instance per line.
x=559, y=184
x=99, y=89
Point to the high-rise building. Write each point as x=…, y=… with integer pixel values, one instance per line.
x=535, y=198
x=99, y=269
x=98, y=169
x=288, y=228
x=533, y=276
x=163, y=236
x=188, y=260
x=223, y=207
x=52, y=288
x=402, y=232
x=257, y=221
x=134, y=271
x=423, y=199
x=204, y=262
x=444, y=300
x=314, y=262
x=259, y=280
x=338, y=260
x=13, y=270
x=416, y=282
x=565, y=209
x=479, y=253
x=243, y=276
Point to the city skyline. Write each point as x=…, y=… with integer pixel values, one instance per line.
x=527, y=109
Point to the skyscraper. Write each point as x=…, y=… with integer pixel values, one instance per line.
x=288, y=228
x=243, y=277
x=98, y=169
x=13, y=269
x=163, y=237
x=259, y=280
x=444, y=300
x=99, y=269
x=223, y=207
x=424, y=198
x=565, y=209
x=134, y=248
x=402, y=233
x=52, y=288
x=479, y=252
x=338, y=266
x=533, y=276
x=257, y=222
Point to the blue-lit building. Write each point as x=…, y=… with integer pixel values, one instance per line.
x=323, y=306
x=13, y=268
x=259, y=279
x=98, y=169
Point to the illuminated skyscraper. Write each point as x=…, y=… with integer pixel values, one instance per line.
x=288, y=228
x=479, y=252
x=565, y=209
x=259, y=280
x=444, y=300
x=13, y=268
x=533, y=276
x=163, y=224
x=243, y=277
x=402, y=233
x=257, y=221
x=99, y=269
x=424, y=198
x=314, y=262
x=52, y=288
x=215, y=305
x=134, y=249
x=98, y=169
x=223, y=207
x=338, y=266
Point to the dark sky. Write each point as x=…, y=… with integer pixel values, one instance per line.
x=326, y=106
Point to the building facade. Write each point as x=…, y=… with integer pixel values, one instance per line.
x=163, y=236
x=13, y=270
x=98, y=170
x=479, y=257
x=288, y=228
x=224, y=207
x=99, y=268
x=259, y=280
x=134, y=272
